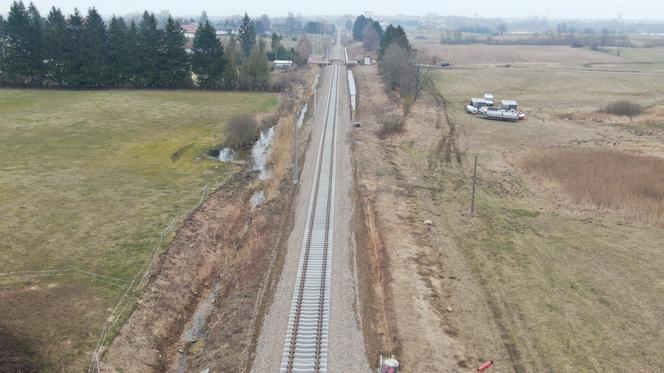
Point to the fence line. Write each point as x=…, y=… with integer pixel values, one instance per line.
x=133, y=286
x=125, y=299
x=27, y=275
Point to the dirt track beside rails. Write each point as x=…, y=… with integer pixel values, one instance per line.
x=405, y=270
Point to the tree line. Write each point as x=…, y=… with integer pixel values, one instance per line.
x=368, y=31
x=401, y=68
x=561, y=36
x=77, y=51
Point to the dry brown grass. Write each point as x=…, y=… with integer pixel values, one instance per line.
x=606, y=179
x=510, y=54
x=392, y=123
x=280, y=158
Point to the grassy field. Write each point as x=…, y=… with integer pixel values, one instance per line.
x=88, y=181
x=571, y=282
x=478, y=54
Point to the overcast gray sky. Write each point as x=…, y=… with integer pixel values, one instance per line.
x=632, y=9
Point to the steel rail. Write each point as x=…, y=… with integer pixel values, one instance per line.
x=305, y=346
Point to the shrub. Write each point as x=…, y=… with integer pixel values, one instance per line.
x=624, y=108
x=241, y=131
x=392, y=123
x=269, y=121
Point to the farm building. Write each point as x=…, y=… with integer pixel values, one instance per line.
x=282, y=64
x=509, y=105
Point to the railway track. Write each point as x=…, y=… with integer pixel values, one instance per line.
x=306, y=342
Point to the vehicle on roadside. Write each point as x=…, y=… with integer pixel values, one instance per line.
x=477, y=103
x=489, y=98
x=499, y=114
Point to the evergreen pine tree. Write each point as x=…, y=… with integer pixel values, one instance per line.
x=208, y=56
x=36, y=46
x=275, y=46
x=255, y=71
x=55, y=34
x=73, y=64
x=118, y=52
x=358, y=27
x=149, y=51
x=175, y=69
x=16, y=62
x=132, y=65
x=393, y=35
x=247, y=34
x=93, y=50
x=379, y=30
x=3, y=40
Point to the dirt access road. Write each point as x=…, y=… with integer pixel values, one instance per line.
x=345, y=351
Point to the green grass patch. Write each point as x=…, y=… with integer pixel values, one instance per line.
x=90, y=180
x=525, y=213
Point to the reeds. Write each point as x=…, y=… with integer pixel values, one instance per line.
x=606, y=179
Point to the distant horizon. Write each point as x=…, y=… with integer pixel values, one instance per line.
x=105, y=15
x=588, y=10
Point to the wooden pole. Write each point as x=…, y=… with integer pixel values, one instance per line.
x=295, y=160
x=472, y=201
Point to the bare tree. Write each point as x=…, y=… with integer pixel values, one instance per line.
x=304, y=49
x=394, y=65
x=502, y=28
x=423, y=73
x=406, y=71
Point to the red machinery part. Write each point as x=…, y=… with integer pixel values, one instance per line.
x=485, y=366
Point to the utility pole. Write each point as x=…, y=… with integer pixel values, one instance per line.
x=472, y=201
x=295, y=160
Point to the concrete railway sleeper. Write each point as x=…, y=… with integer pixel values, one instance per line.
x=306, y=343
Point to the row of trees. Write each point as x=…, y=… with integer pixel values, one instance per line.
x=401, y=68
x=319, y=27
x=77, y=51
x=368, y=31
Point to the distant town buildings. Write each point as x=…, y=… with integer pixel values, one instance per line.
x=190, y=30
